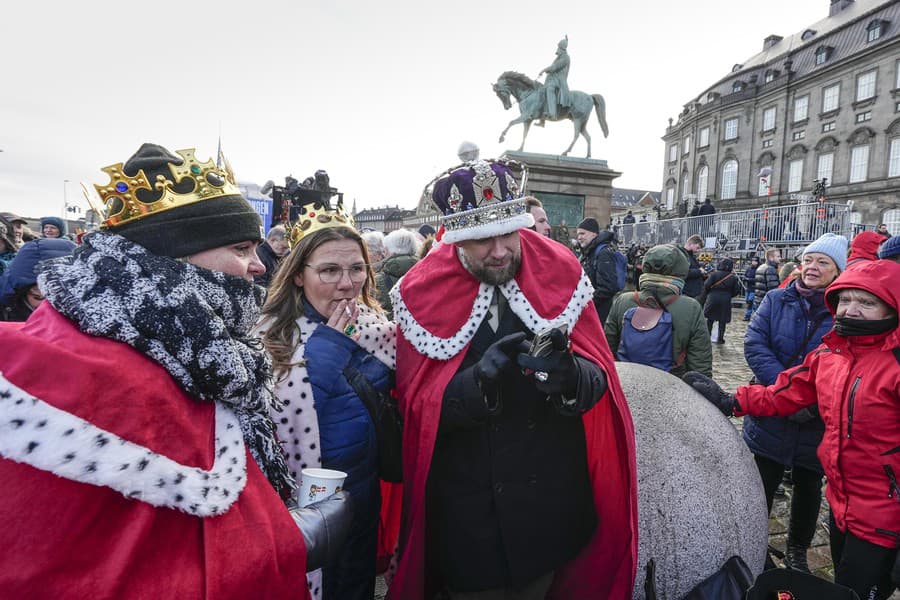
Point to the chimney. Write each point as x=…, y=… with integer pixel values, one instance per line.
x=837, y=6
x=771, y=41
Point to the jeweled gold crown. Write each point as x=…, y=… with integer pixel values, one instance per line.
x=319, y=215
x=121, y=205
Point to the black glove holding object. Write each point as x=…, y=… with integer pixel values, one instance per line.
x=325, y=526
x=497, y=359
x=711, y=390
x=559, y=365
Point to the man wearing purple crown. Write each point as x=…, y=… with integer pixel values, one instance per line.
x=135, y=442
x=503, y=451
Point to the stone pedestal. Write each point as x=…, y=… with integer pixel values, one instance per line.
x=570, y=188
x=700, y=498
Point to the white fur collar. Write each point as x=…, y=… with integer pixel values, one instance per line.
x=35, y=433
x=439, y=348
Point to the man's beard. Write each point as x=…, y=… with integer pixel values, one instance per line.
x=490, y=276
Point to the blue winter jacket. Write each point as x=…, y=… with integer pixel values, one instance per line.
x=348, y=443
x=778, y=327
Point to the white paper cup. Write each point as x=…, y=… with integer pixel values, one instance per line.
x=318, y=484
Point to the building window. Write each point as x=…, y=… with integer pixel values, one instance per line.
x=865, y=85
x=670, y=198
x=801, y=108
x=731, y=129
x=702, y=181
x=770, y=76
x=897, y=76
x=685, y=186
x=823, y=53
x=687, y=145
x=795, y=177
x=799, y=135
x=768, y=143
x=808, y=34
x=828, y=127
x=769, y=119
x=891, y=218
x=673, y=153
x=825, y=166
x=864, y=116
x=737, y=86
x=859, y=164
x=831, y=97
x=873, y=30
x=704, y=138
x=729, y=180
x=763, y=189
x=894, y=158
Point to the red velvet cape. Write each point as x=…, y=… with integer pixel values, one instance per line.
x=439, y=294
x=63, y=538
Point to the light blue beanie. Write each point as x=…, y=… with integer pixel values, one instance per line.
x=833, y=246
x=890, y=247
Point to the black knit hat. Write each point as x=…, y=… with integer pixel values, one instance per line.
x=190, y=228
x=590, y=224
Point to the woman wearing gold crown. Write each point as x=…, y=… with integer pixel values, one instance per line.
x=135, y=437
x=321, y=319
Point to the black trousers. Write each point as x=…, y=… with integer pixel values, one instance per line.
x=709, y=326
x=805, y=500
x=860, y=565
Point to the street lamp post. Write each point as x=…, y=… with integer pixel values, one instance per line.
x=65, y=199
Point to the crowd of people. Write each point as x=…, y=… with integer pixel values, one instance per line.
x=200, y=367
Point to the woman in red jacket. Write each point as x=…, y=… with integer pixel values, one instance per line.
x=855, y=378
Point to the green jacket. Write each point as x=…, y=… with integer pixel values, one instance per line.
x=691, y=348
x=392, y=269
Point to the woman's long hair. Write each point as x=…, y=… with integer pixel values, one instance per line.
x=284, y=304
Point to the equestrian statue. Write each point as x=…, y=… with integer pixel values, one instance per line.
x=550, y=101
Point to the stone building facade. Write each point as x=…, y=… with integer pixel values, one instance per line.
x=821, y=104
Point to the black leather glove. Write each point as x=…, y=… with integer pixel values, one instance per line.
x=325, y=525
x=497, y=359
x=711, y=390
x=559, y=366
x=804, y=415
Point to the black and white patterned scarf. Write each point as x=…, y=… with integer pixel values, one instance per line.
x=192, y=321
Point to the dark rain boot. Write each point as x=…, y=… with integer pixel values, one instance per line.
x=795, y=559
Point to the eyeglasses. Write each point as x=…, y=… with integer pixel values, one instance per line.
x=333, y=273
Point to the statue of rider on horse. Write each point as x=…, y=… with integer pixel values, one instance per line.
x=551, y=101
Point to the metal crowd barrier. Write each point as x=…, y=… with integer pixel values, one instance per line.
x=747, y=230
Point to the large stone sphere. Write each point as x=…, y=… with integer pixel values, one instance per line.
x=700, y=497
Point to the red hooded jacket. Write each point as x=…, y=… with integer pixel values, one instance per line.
x=856, y=382
x=864, y=247
x=436, y=300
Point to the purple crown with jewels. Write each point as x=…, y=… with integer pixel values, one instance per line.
x=480, y=198
x=474, y=184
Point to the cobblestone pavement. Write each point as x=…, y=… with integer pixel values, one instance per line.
x=730, y=370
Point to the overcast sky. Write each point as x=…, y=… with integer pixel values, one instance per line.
x=379, y=94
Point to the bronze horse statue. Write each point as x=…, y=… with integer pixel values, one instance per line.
x=530, y=96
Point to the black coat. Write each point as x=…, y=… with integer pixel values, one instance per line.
x=693, y=284
x=268, y=258
x=720, y=287
x=600, y=267
x=509, y=496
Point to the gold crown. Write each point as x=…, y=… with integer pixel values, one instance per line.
x=315, y=216
x=120, y=204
